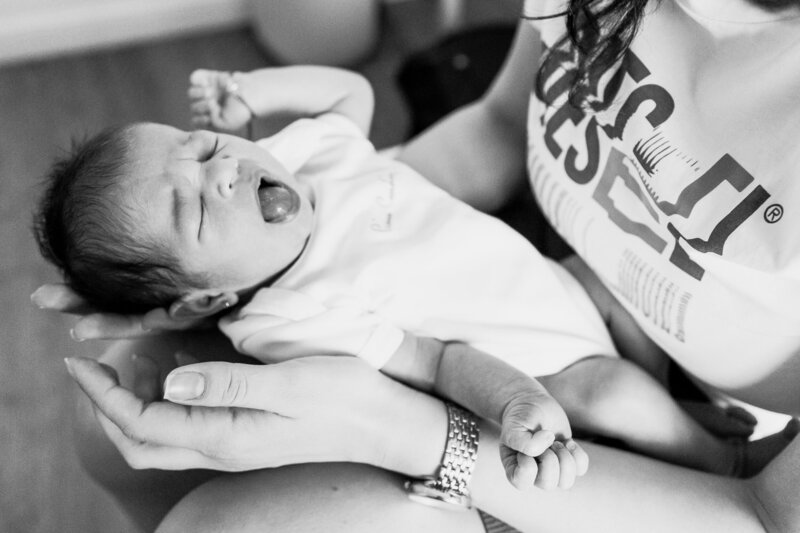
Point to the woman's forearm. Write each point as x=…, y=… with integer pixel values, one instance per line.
x=622, y=492
x=471, y=154
x=478, y=153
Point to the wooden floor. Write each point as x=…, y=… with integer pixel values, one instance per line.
x=42, y=106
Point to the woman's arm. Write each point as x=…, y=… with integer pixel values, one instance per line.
x=478, y=153
x=367, y=417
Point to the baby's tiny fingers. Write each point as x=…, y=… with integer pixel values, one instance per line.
x=523, y=440
x=538, y=442
x=548, y=476
x=508, y=458
x=566, y=465
x=525, y=473
x=580, y=456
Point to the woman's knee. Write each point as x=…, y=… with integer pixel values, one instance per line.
x=341, y=497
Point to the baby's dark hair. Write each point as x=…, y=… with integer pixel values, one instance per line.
x=81, y=231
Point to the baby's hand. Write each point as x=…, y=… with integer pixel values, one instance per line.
x=213, y=104
x=536, y=445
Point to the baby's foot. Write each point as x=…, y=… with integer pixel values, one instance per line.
x=216, y=100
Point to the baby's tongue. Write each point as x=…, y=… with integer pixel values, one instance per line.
x=276, y=202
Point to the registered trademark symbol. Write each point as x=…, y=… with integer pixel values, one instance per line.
x=773, y=213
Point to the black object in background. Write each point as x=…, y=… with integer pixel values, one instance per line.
x=453, y=72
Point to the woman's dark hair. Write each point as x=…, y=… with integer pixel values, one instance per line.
x=598, y=34
x=81, y=231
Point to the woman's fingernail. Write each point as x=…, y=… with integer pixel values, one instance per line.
x=184, y=386
x=68, y=362
x=571, y=445
x=75, y=336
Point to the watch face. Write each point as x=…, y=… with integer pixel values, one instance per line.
x=422, y=492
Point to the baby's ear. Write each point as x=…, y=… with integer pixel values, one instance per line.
x=200, y=304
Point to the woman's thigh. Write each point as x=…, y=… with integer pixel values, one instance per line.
x=330, y=497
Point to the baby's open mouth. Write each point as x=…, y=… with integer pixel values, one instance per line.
x=277, y=201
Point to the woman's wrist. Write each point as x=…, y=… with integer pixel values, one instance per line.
x=411, y=434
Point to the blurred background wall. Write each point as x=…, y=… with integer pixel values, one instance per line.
x=36, y=28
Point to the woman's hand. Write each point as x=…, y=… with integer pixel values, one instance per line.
x=96, y=325
x=237, y=417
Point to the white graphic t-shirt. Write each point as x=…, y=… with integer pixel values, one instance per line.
x=684, y=195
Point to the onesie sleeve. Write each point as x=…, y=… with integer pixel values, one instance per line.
x=281, y=324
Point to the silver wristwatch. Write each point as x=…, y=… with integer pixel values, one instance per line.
x=449, y=489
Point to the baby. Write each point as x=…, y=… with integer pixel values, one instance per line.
x=309, y=242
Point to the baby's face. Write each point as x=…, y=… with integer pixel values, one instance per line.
x=223, y=205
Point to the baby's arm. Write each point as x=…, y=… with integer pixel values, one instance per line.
x=221, y=99
x=533, y=423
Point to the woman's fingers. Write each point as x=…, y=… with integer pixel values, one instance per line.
x=109, y=326
x=94, y=325
x=157, y=423
x=216, y=384
x=140, y=455
x=160, y=320
x=59, y=297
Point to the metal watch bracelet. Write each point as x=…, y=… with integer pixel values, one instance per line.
x=450, y=487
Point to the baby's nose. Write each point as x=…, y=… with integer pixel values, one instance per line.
x=222, y=176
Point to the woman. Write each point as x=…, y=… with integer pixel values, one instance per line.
x=666, y=176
